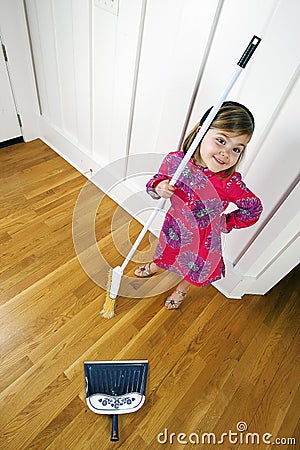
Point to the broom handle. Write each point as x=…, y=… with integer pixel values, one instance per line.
x=206, y=124
x=154, y=213
x=241, y=65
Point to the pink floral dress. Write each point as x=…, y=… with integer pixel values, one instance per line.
x=190, y=239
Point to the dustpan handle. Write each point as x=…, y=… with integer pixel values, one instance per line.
x=114, y=428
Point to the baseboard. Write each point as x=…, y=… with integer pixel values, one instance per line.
x=128, y=195
x=9, y=142
x=226, y=293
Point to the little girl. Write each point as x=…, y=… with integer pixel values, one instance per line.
x=190, y=239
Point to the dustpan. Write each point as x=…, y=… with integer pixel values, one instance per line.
x=115, y=387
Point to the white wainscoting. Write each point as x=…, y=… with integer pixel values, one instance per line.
x=113, y=87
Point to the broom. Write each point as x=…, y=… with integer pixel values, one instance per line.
x=115, y=275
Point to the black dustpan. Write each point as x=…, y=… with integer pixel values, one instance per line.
x=115, y=387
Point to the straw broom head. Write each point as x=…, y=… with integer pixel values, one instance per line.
x=108, y=310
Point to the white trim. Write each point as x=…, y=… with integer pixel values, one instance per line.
x=226, y=293
x=232, y=279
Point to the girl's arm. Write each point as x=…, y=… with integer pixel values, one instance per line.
x=249, y=205
x=158, y=186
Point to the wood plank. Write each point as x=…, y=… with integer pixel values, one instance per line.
x=212, y=363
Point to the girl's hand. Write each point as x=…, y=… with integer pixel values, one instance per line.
x=165, y=189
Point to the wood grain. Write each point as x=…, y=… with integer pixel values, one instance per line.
x=213, y=363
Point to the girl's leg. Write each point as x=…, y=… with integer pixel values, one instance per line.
x=175, y=300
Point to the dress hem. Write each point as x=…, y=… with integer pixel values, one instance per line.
x=189, y=280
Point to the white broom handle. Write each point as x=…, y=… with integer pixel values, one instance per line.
x=205, y=126
x=180, y=168
x=154, y=213
x=183, y=163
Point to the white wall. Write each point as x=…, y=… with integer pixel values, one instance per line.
x=113, y=86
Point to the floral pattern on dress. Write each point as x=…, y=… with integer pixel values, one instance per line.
x=190, y=182
x=175, y=233
x=194, y=266
x=158, y=251
x=171, y=163
x=213, y=242
x=190, y=239
x=249, y=208
x=203, y=212
x=236, y=178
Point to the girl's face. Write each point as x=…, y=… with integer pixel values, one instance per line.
x=220, y=149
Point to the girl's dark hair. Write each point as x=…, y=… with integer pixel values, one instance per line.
x=231, y=117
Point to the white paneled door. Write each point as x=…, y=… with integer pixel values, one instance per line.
x=9, y=124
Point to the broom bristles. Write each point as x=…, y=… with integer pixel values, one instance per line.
x=108, y=310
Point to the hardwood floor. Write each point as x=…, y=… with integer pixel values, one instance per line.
x=212, y=364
